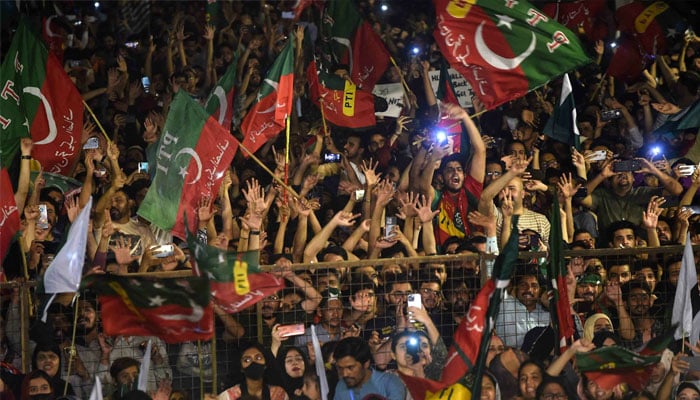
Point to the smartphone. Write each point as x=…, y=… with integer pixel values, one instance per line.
x=359, y=194
x=694, y=363
x=414, y=300
x=43, y=221
x=599, y=155
x=287, y=14
x=92, y=143
x=143, y=167
x=693, y=209
x=146, y=82
x=291, y=330
x=131, y=45
x=627, y=166
x=163, y=250
x=609, y=115
x=389, y=225
x=331, y=157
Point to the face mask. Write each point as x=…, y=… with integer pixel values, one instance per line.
x=254, y=371
x=43, y=396
x=125, y=388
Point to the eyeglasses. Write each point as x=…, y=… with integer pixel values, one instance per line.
x=494, y=173
x=429, y=291
x=554, y=396
x=272, y=298
x=290, y=360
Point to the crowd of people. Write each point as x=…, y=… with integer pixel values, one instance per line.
x=398, y=190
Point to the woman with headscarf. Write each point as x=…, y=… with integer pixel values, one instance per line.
x=47, y=357
x=253, y=365
x=292, y=363
x=36, y=385
x=595, y=323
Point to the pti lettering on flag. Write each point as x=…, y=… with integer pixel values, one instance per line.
x=9, y=216
x=504, y=49
x=192, y=156
x=39, y=101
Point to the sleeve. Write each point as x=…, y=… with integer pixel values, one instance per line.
x=395, y=388
x=636, y=138
x=473, y=186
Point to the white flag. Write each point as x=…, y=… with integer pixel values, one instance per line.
x=320, y=367
x=96, y=393
x=66, y=269
x=145, y=367
x=688, y=324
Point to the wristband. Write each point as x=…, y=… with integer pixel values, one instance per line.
x=26, y=157
x=254, y=232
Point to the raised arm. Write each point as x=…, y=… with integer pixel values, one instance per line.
x=491, y=191
x=477, y=167
x=318, y=242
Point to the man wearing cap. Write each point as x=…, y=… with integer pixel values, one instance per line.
x=588, y=288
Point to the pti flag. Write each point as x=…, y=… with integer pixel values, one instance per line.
x=235, y=278
x=343, y=103
x=38, y=100
x=561, y=125
x=561, y=318
x=653, y=24
x=471, y=339
x=9, y=216
x=504, y=49
x=192, y=156
x=220, y=102
x=582, y=16
x=628, y=60
x=351, y=41
x=610, y=366
x=173, y=309
x=274, y=102
x=688, y=323
x=452, y=128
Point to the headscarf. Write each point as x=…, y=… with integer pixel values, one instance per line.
x=290, y=384
x=588, y=326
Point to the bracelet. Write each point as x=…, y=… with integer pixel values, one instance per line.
x=26, y=157
x=254, y=232
x=243, y=237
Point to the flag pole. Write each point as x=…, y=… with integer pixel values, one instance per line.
x=201, y=369
x=323, y=118
x=266, y=169
x=598, y=86
x=26, y=277
x=72, y=353
x=215, y=389
x=403, y=81
x=97, y=121
x=286, y=160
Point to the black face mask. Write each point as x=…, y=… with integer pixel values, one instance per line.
x=254, y=371
x=43, y=396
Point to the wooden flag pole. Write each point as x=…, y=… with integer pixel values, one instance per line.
x=286, y=160
x=403, y=81
x=266, y=169
x=323, y=118
x=72, y=353
x=97, y=121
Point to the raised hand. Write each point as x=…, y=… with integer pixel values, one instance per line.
x=369, y=170
x=72, y=208
x=344, y=218
x=507, y=207
x=122, y=251
x=650, y=217
x=209, y=32
x=204, y=210
x=408, y=205
x=484, y=221
x=424, y=212
x=385, y=192
x=402, y=124
x=566, y=186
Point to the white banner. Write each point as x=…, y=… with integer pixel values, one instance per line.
x=462, y=88
x=393, y=93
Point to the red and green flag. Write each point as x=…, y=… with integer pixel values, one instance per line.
x=344, y=104
x=466, y=359
x=504, y=48
x=582, y=16
x=9, y=216
x=653, y=24
x=192, y=155
x=266, y=118
x=610, y=366
x=628, y=61
x=561, y=125
x=350, y=40
x=220, y=102
x=38, y=100
x=235, y=278
x=173, y=309
x=453, y=128
x=561, y=318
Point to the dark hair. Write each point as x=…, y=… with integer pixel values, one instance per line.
x=448, y=159
x=635, y=284
x=537, y=364
x=355, y=347
x=332, y=249
x=120, y=364
x=622, y=224
x=44, y=347
x=548, y=379
x=37, y=373
x=409, y=334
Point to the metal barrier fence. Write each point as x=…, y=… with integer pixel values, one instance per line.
x=446, y=284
